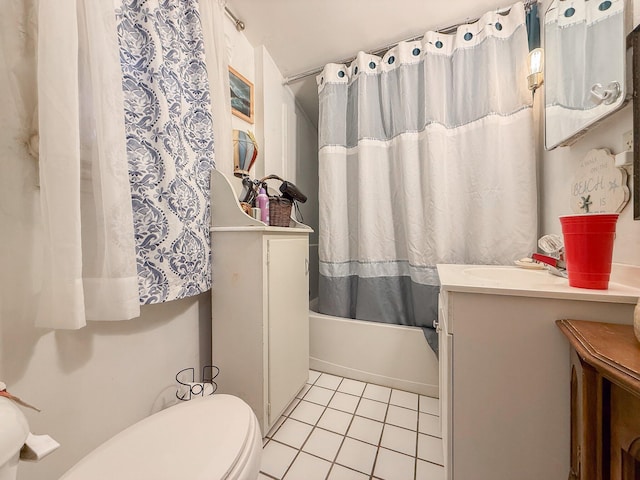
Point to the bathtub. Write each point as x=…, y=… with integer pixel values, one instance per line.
x=390, y=355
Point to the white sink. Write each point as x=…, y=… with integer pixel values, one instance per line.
x=514, y=275
x=625, y=275
x=624, y=282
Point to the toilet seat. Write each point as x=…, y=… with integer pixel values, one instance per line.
x=215, y=438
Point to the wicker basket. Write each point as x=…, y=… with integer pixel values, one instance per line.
x=279, y=212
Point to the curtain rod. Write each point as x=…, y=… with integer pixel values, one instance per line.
x=382, y=50
x=238, y=23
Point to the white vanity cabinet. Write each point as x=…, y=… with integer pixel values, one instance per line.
x=505, y=377
x=260, y=310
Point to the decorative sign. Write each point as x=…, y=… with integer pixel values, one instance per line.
x=599, y=186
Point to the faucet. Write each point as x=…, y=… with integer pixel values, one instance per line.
x=556, y=265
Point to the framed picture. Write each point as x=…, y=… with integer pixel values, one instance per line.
x=241, y=96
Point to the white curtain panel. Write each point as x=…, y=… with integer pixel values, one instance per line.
x=89, y=260
x=427, y=156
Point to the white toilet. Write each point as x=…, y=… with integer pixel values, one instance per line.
x=213, y=438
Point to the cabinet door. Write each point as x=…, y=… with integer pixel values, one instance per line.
x=288, y=298
x=625, y=435
x=445, y=341
x=585, y=420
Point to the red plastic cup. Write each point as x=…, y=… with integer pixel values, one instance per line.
x=588, y=248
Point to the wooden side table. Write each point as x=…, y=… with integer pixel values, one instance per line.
x=605, y=400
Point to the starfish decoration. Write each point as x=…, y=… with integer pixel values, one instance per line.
x=586, y=201
x=613, y=185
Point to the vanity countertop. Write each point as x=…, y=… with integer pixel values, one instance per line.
x=624, y=286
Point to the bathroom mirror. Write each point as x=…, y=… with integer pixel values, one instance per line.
x=585, y=49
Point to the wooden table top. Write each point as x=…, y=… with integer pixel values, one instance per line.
x=611, y=348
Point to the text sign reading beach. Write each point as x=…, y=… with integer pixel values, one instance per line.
x=599, y=186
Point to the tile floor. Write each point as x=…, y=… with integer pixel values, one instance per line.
x=343, y=429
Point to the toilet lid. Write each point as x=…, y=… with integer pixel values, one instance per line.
x=198, y=439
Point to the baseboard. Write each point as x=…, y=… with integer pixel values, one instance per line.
x=400, y=384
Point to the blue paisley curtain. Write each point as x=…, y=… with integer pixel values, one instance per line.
x=169, y=139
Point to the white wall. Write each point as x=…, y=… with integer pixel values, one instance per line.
x=557, y=171
x=287, y=138
x=240, y=56
x=306, y=161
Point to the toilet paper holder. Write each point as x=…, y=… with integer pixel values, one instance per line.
x=188, y=389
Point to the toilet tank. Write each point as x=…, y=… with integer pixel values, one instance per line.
x=15, y=430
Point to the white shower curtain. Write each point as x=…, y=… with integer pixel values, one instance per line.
x=88, y=268
x=427, y=156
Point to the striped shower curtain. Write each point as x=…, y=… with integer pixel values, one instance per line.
x=427, y=156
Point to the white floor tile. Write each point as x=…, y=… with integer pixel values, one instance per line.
x=303, y=391
x=323, y=444
x=366, y=430
x=328, y=381
x=338, y=472
x=402, y=417
x=307, y=467
x=357, y=455
x=345, y=402
x=293, y=433
x=307, y=412
x=335, y=420
x=291, y=406
x=319, y=395
x=430, y=448
x=404, y=399
x=276, y=459
x=313, y=376
x=429, y=471
x=429, y=424
x=394, y=466
x=430, y=405
x=372, y=409
x=399, y=439
x=276, y=426
x=376, y=392
x=342, y=421
x=352, y=387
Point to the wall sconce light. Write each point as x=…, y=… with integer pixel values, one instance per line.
x=536, y=61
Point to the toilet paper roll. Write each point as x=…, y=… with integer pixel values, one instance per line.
x=189, y=390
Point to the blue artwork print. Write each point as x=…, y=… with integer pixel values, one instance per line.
x=169, y=145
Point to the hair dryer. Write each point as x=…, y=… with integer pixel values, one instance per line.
x=291, y=192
